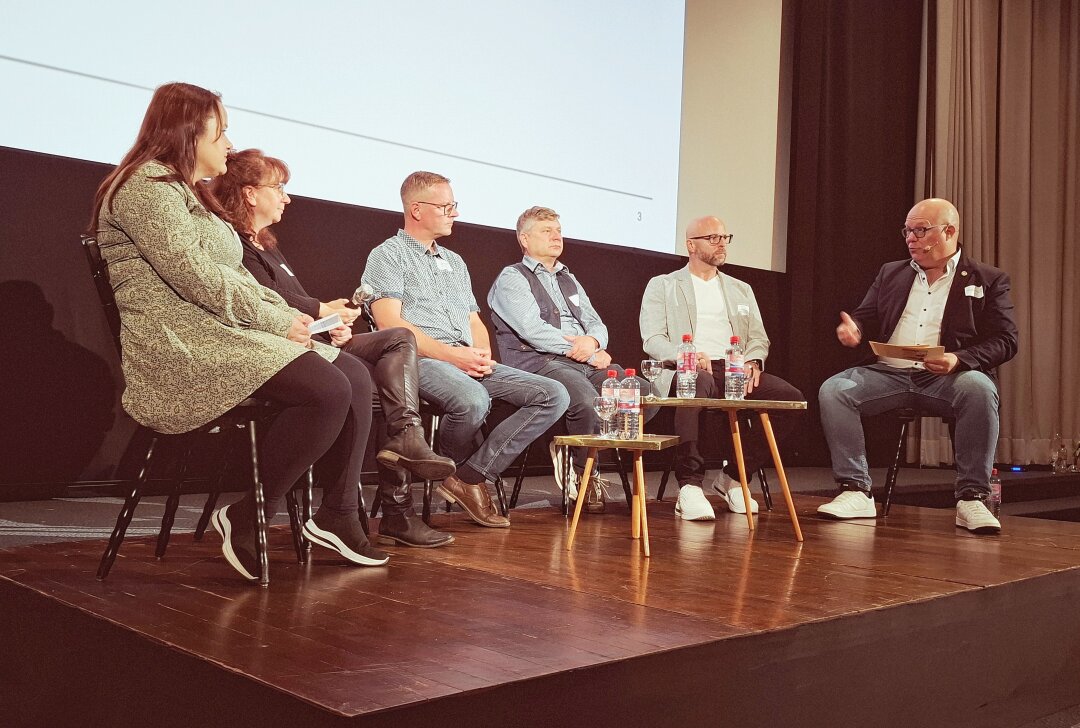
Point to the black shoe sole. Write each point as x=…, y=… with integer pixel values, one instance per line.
x=388, y=540
x=453, y=499
x=328, y=540
x=425, y=469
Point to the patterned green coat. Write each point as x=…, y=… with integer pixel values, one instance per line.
x=199, y=334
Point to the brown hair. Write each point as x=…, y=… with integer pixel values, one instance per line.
x=249, y=168
x=535, y=213
x=173, y=122
x=417, y=182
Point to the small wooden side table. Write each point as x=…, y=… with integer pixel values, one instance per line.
x=732, y=406
x=639, y=521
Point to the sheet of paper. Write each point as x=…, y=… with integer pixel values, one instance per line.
x=915, y=352
x=325, y=324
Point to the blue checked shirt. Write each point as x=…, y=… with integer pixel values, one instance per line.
x=512, y=298
x=434, y=287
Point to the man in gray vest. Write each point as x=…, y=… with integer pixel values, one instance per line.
x=545, y=324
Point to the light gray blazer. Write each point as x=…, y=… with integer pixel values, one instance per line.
x=668, y=311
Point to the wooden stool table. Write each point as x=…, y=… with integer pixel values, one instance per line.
x=762, y=407
x=639, y=521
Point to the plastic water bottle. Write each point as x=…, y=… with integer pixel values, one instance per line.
x=994, y=503
x=686, y=366
x=734, y=373
x=610, y=388
x=629, y=407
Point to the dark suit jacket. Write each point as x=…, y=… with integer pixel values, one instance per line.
x=979, y=329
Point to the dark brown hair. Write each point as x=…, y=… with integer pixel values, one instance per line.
x=173, y=122
x=249, y=168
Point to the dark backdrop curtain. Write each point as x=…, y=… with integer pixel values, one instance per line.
x=855, y=78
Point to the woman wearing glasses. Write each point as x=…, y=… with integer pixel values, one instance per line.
x=252, y=195
x=200, y=335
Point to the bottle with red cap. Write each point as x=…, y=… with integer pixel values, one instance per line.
x=630, y=406
x=610, y=388
x=686, y=368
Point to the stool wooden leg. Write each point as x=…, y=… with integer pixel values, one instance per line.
x=733, y=421
x=639, y=499
x=589, y=462
x=781, y=474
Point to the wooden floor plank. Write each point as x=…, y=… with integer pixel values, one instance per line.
x=504, y=605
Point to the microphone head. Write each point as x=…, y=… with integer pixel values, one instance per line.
x=363, y=294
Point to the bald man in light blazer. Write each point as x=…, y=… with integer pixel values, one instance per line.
x=701, y=301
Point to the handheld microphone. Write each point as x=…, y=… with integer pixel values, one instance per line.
x=363, y=294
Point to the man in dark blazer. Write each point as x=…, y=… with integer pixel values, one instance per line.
x=939, y=297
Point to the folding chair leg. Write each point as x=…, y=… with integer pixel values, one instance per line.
x=664, y=477
x=520, y=477
x=296, y=526
x=894, y=469
x=168, y=518
x=260, y=511
x=124, y=519
x=765, y=494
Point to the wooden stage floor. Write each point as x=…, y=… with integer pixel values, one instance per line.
x=905, y=621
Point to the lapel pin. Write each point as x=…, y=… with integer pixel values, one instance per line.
x=963, y=272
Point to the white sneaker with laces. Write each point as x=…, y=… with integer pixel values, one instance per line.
x=692, y=505
x=976, y=517
x=557, y=461
x=850, y=504
x=730, y=491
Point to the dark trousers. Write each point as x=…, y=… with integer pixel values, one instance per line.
x=690, y=465
x=325, y=418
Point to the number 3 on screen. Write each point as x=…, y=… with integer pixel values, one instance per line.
x=639, y=216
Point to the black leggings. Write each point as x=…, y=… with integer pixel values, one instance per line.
x=325, y=419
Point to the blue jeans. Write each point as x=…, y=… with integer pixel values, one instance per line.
x=465, y=402
x=969, y=396
x=583, y=382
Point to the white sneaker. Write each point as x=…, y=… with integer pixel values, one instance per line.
x=692, y=505
x=730, y=492
x=976, y=517
x=559, y=463
x=850, y=504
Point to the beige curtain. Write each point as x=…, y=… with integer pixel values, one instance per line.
x=1000, y=137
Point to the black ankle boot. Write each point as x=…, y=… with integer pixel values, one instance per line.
x=407, y=450
x=408, y=529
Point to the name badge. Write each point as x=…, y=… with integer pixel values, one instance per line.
x=743, y=309
x=575, y=299
x=286, y=269
x=973, y=291
x=442, y=265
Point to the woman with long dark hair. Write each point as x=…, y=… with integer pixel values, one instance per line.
x=200, y=335
x=252, y=196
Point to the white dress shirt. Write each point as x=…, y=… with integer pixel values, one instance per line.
x=920, y=324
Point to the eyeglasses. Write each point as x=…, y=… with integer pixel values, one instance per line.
x=448, y=208
x=715, y=240
x=919, y=232
x=280, y=187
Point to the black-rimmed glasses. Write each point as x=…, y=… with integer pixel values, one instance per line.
x=715, y=240
x=448, y=208
x=919, y=232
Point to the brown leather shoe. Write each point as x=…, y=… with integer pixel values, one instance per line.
x=475, y=500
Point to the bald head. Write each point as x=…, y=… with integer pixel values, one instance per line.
x=939, y=224
x=703, y=226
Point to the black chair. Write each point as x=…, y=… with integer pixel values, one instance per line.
x=245, y=415
x=524, y=461
x=905, y=416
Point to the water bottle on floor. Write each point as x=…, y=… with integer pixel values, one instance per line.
x=734, y=373
x=686, y=368
x=630, y=407
x=994, y=502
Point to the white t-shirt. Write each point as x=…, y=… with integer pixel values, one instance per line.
x=712, y=330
